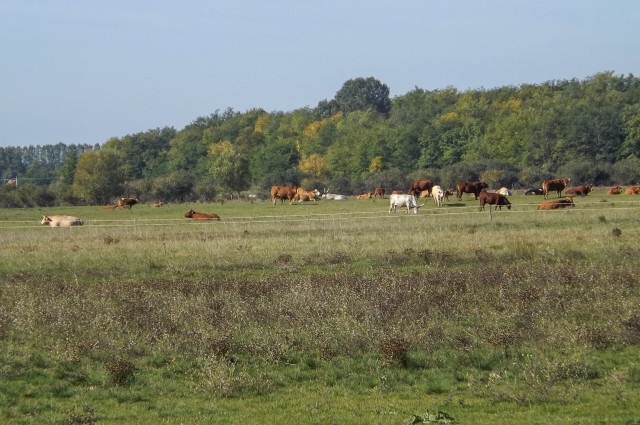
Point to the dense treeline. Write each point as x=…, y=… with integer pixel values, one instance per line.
x=509, y=136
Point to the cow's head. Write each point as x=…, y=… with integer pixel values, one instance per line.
x=189, y=214
x=46, y=220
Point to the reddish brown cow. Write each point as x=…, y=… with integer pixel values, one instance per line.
x=379, y=191
x=580, y=190
x=127, y=202
x=419, y=185
x=496, y=199
x=364, y=196
x=282, y=193
x=633, y=190
x=557, y=203
x=470, y=187
x=554, y=184
x=615, y=191
x=397, y=192
x=201, y=216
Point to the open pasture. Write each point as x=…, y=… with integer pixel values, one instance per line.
x=333, y=311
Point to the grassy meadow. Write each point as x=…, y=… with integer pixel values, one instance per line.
x=322, y=313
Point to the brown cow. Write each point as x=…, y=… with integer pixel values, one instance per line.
x=557, y=203
x=497, y=199
x=306, y=195
x=397, y=192
x=157, y=204
x=447, y=193
x=127, y=202
x=554, y=184
x=282, y=193
x=379, y=191
x=580, y=190
x=201, y=216
x=364, y=196
x=633, y=190
x=470, y=187
x=615, y=190
x=112, y=207
x=419, y=185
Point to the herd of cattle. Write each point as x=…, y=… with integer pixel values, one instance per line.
x=397, y=199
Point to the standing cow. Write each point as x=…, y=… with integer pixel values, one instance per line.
x=554, y=184
x=419, y=185
x=403, y=200
x=438, y=195
x=497, y=199
x=470, y=187
x=379, y=191
x=282, y=193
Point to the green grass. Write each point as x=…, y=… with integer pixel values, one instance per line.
x=322, y=312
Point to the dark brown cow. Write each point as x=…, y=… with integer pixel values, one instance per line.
x=201, y=216
x=615, y=190
x=419, y=185
x=554, y=184
x=379, y=191
x=447, y=193
x=496, y=199
x=557, y=203
x=580, y=190
x=470, y=187
x=127, y=202
x=282, y=193
x=633, y=190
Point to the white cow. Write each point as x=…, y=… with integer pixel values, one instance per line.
x=402, y=200
x=61, y=220
x=438, y=195
x=504, y=191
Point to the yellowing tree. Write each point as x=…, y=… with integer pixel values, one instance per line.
x=315, y=165
x=376, y=165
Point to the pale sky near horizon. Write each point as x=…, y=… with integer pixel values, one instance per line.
x=79, y=71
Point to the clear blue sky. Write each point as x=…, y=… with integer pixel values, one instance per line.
x=82, y=71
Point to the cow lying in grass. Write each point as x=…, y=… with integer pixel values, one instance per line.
x=201, y=216
x=557, y=203
x=61, y=220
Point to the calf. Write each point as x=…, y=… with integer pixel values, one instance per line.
x=201, y=216
x=497, y=199
x=557, y=204
x=615, y=190
x=404, y=200
x=61, y=220
x=379, y=191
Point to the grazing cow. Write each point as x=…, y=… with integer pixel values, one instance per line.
x=306, y=195
x=157, y=204
x=497, y=199
x=379, y=191
x=534, y=192
x=557, y=204
x=438, y=195
x=127, y=202
x=61, y=220
x=504, y=191
x=364, y=196
x=282, y=193
x=632, y=190
x=470, y=187
x=580, y=190
x=404, y=200
x=554, y=184
x=419, y=185
x=201, y=216
x=615, y=190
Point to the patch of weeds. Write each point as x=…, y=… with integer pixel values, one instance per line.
x=394, y=350
x=602, y=219
x=121, y=372
x=284, y=259
x=109, y=240
x=87, y=417
x=339, y=257
x=616, y=232
x=428, y=417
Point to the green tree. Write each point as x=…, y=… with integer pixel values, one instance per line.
x=98, y=177
x=227, y=167
x=360, y=94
